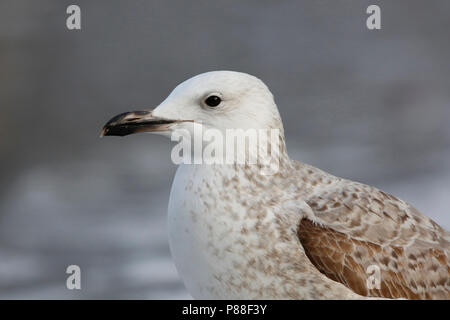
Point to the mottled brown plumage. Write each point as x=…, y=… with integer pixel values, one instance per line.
x=356, y=226
x=242, y=231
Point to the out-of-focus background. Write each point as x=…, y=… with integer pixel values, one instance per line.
x=372, y=106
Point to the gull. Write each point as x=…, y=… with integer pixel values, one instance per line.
x=299, y=233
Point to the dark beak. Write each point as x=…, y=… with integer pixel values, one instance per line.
x=135, y=122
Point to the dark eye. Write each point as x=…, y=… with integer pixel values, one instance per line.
x=213, y=101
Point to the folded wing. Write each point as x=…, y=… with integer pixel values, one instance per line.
x=376, y=244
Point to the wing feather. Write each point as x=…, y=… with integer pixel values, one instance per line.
x=356, y=227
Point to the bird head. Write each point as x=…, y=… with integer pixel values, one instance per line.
x=220, y=100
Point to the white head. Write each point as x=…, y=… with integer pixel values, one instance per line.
x=219, y=99
x=205, y=109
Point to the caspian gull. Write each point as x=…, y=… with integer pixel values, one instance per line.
x=300, y=233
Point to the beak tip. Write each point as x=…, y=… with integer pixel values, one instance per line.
x=132, y=122
x=103, y=133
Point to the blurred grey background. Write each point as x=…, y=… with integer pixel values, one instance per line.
x=372, y=106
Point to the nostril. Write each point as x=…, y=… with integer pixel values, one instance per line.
x=141, y=113
x=117, y=118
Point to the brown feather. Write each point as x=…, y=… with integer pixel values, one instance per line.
x=423, y=275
